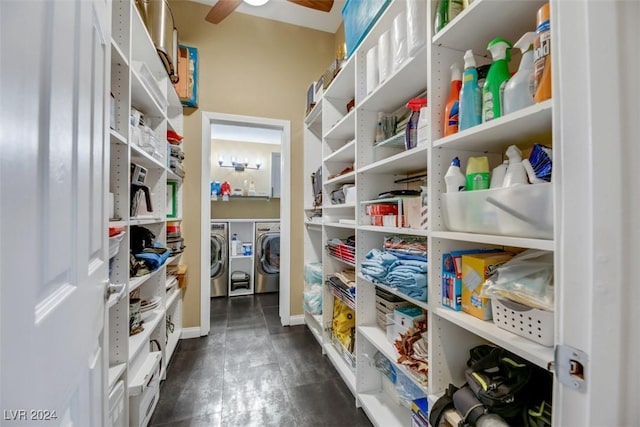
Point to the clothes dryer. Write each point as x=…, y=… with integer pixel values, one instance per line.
x=219, y=259
x=267, y=257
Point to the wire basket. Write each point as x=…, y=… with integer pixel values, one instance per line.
x=342, y=251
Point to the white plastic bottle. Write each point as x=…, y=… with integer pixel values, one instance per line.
x=234, y=245
x=498, y=174
x=454, y=178
x=516, y=174
x=520, y=89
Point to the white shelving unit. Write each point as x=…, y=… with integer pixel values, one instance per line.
x=245, y=231
x=131, y=46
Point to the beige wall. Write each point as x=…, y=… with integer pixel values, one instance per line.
x=254, y=67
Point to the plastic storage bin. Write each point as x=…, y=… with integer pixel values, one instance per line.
x=359, y=16
x=521, y=211
x=531, y=323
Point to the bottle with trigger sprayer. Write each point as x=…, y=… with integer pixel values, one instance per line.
x=521, y=87
x=496, y=79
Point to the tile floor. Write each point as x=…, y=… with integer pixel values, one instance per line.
x=251, y=371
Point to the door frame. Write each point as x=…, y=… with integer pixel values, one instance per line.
x=208, y=118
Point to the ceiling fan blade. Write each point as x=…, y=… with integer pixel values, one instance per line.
x=321, y=5
x=221, y=10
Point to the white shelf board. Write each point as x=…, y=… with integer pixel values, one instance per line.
x=142, y=99
x=383, y=411
x=139, y=157
x=345, y=371
x=118, y=223
x=529, y=350
x=391, y=290
x=137, y=341
x=173, y=259
x=340, y=225
x=314, y=322
x=172, y=342
x=145, y=220
x=173, y=297
x=115, y=372
x=179, y=219
x=347, y=177
x=378, y=338
x=136, y=282
x=340, y=206
x=408, y=161
x=314, y=119
x=313, y=225
x=346, y=153
x=344, y=129
x=350, y=264
x=343, y=86
x=241, y=256
x=531, y=124
x=113, y=300
x=117, y=56
x=312, y=208
x=492, y=239
x=394, y=230
x=469, y=30
x=172, y=176
x=408, y=81
x=117, y=137
x=142, y=47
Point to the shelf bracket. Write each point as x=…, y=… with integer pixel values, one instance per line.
x=570, y=366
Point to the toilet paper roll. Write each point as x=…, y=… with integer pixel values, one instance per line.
x=416, y=30
x=372, y=69
x=384, y=56
x=399, y=41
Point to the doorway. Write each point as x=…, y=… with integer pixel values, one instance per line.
x=283, y=127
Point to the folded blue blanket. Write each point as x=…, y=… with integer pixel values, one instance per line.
x=381, y=257
x=409, y=265
x=153, y=259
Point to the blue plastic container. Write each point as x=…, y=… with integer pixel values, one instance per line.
x=359, y=17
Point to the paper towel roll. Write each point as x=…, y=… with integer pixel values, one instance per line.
x=384, y=56
x=399, y=41
x=416, y=30
x=372, y=69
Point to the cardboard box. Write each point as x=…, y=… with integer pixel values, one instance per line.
x=411, y=208
x=451, y=290
x=475, y=270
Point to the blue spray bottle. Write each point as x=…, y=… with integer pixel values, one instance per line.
x=470, y=94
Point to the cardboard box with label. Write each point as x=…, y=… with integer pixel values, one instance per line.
x=475, y=270
x=452, y=276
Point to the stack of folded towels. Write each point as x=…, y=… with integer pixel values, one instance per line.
x=406, y=273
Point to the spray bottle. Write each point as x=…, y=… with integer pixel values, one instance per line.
x=470, y=94
x=542, y=55
x=498, y=174
x=452, y=109
x=496, y=79
x=411, y=135
x=516, y=174
x=520, y=88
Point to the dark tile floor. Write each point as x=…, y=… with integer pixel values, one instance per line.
x=252, y=371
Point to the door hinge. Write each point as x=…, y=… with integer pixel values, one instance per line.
x=570, y=367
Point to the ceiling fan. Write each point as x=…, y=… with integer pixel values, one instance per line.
x=223, y=8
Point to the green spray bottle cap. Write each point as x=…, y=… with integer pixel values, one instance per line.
x=500, y=49
x=526, y=42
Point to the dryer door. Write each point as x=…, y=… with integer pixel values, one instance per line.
x=269, y=244
x=217, y=256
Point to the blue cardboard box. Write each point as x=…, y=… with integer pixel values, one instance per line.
x=359, y=16
x=452, y=277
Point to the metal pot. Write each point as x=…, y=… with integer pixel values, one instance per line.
x=158, y=19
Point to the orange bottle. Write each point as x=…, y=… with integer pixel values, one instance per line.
x=452, y=108
x=542, y=55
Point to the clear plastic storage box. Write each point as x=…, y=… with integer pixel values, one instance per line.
x=521, y=211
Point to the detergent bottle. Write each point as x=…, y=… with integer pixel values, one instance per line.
x=542, y=55
x=496, y=79
x=452, y=109
x=454, y=179
x=411, y=134
x=516, y=173
x=477, y=173
x=470, y=94
x=520, y=88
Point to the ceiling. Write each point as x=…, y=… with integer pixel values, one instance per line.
x=284, y=11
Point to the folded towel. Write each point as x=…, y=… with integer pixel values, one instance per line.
x=410, y=265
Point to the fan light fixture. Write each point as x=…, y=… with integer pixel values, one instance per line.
x=256, y=2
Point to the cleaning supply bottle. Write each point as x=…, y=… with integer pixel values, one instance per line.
x=496, y=79
x=452, y=109
x=497, y=175
x=477, y=173
x=542, y=55
x=516, y=174
x=234, y=245
x=445, y=12
x=454, y=179
x=520, y=88
x=411, y=133
x=470, y=94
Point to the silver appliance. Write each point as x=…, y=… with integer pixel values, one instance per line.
x=219, y=259
x=158, y=19
x=267, y=257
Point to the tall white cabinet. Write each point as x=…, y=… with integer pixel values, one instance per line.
x=138, y=362
x=339, y=137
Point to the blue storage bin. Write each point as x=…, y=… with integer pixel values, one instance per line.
x=359, y=17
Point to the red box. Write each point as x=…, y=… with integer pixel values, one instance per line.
x=382, y=210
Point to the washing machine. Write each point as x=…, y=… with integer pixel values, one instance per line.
x=219, y=259
x=267, y=257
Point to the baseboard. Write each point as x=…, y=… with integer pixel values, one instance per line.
x=193, y=332
x=296, y=320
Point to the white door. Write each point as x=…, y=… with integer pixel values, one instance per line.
x=53, y=247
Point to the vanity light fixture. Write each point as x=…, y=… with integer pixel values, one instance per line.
x=237, y=165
